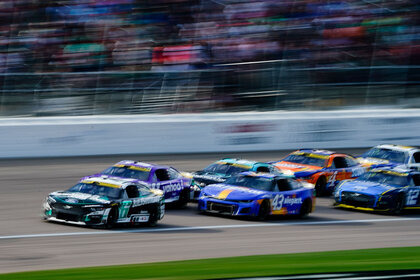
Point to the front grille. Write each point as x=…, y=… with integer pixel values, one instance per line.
x=221, y=208
x=357, y=199
x=67, y=217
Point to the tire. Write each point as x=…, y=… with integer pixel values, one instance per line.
x=320, y=186
x=398, y=206
x=112, y=218
x=263, y=211
x=305, y=208
x=184, y=198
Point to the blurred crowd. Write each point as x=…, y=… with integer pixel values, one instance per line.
x=142, y=35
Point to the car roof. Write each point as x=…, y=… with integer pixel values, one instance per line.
x=141, y=165
x=316, y=151
x=397, y=147
x=238, y=161
x=106, y=181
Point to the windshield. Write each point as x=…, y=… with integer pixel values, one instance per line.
x=386, y=154
x=225, y=169
x=384, y=178
x=305, y=159
x=127, y=172
x=259, y=183
x=95, y=189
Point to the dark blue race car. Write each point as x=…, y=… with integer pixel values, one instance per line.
x=257, y=195
x=390, y=155
x=221, y=170
x=387, y=189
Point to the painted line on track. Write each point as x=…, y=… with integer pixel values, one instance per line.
x=175, y=229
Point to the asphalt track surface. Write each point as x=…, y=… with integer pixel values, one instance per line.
x=28, y=243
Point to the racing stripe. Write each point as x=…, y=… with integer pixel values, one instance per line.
x=223, y=194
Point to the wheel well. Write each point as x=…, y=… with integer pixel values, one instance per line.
x=321, y=177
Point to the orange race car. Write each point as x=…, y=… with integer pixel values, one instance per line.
x=324, y=169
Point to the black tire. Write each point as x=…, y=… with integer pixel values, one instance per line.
x=184, y=198
x=263, y=211
x=112, y=218
x=398, y=206
x=320, y=186
x=305, y=208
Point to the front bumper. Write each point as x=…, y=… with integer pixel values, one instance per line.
x=74, y=214
x=341, y=205
x=226, y=207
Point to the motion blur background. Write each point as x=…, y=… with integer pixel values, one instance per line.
x=89, y=57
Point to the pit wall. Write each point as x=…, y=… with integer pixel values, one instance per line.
x=199, y=133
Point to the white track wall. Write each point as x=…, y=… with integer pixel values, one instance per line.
x=195, y=133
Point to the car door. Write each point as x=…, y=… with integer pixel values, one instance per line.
x=413, y=193
x=126, y=206
x=170, y=182
x=337, y=170
x=354, y=169
x=285, y=199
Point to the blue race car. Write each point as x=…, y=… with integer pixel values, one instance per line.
x=221, y=170
x=387, y=189
x=257, y=195
x=390, y=155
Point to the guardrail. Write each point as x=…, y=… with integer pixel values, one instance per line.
x=197, y=133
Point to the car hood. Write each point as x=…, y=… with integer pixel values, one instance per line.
x=224, y=191
x=365, y=187
x=290, y=168
x=79, y=198
x=210, y=176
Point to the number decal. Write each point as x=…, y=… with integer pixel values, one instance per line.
x=278, y=202
x=412, y=197
x=125, y=206
x=332, y=177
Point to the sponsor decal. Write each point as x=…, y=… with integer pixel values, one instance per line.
x=247, y=128
x=171, y=187
x=280, y=200
x=71, y=200
x=293, y=200
x=145, y=200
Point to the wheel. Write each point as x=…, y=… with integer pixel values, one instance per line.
x=112, y=218
x=398, y=206
x=154, y=216
x=320, y=186
x=264, y=211
x=184, y=198
x=305, y=208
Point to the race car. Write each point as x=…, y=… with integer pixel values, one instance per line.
x=221, y=170
x=390, y=155
x=387, y=189
x=257, y=195
x=176, y=187
x=98, y=201
x=325, y=169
